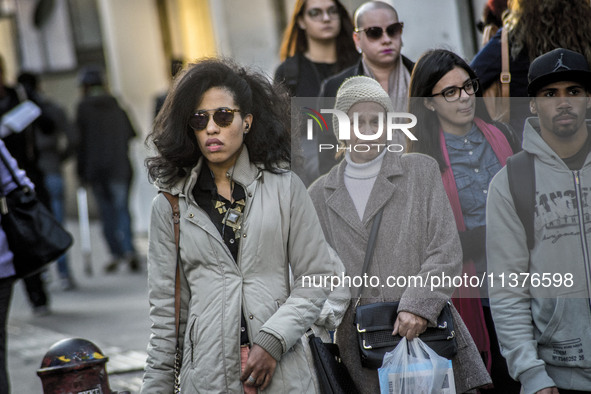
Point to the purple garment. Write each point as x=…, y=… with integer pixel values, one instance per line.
x=7, y=185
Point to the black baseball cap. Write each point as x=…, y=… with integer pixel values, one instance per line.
x=558, y=65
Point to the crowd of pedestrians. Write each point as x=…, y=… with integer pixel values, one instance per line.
x=260, y=207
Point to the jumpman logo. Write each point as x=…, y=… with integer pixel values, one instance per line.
x=560, y=64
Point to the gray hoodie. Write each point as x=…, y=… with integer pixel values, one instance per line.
x=544, y=325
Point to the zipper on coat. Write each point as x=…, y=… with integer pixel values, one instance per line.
x=243, y=300
x=243, y=309
x=583, y=235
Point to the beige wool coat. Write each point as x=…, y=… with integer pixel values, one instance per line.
x=417, y=235
x=280, y=234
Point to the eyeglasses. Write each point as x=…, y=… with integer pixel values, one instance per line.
x=453, y=93
x=375, y=32
x=317, y=14
x=223, y=117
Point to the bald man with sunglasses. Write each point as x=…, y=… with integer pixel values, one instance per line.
x=378, y=37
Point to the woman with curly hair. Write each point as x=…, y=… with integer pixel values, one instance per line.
x=534, y=28
x=247, y=225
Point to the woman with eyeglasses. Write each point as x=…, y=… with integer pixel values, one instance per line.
x=453, y=127
x=249, y=236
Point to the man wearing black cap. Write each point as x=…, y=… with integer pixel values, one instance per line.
x=540, y=296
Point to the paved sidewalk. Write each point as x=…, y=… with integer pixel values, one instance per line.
x=109, y=310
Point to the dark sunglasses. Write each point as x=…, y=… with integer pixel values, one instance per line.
x=223, y=117
x=376, y=32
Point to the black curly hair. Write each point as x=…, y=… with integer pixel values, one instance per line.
x=268, y=141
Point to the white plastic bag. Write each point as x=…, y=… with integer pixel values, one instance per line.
x=414, y=368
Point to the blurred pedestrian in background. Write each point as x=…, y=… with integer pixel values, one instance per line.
x=104, y=131
x=176, y=65
x=23, y=148
x=7, y=271
x=317, y=44
x=534, y=28
x=246, y=225
x=492, y=19
x=53, y=140
x=455, y=129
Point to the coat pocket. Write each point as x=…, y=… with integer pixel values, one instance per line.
x=192, y=338
x=555, y=319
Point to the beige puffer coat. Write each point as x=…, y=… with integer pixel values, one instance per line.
x=280, y=231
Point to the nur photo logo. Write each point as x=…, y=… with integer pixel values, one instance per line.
x=388, y=123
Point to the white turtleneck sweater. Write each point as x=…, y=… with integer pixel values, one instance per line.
x=360, y=178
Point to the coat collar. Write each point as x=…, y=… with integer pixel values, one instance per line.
x=339, y=200
x=244, y=173
x=408, y=64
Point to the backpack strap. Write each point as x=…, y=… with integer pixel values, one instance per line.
x=522, y=185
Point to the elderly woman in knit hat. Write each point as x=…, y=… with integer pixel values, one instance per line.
x=413, y=237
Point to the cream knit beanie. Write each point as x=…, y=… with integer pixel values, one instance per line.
x=360, y=89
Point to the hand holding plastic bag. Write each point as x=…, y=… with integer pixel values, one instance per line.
x=414, y=368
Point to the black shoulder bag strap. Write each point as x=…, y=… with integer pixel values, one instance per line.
x=522, y=185
x=373, y=234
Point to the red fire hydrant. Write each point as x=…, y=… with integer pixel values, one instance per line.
x=75, y=366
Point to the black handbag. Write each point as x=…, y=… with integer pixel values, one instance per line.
x=34, y=235
x=333, y=375
x=375, y=322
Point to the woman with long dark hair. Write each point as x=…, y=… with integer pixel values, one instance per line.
x=247, y=225
x=317, y=43
x=454, y=128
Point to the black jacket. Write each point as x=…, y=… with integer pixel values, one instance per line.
x=331, y=85
x=104, y=133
